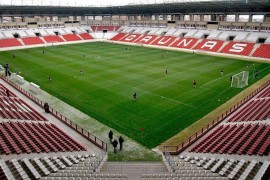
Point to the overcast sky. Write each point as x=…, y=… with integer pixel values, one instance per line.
x=85, y=2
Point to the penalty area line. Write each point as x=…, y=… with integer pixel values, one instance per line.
x=169, y=99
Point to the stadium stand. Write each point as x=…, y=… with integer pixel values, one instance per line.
x=54, y=38
x=15, y=108
x=3, y=91
x=238, y=48
x=264, y=93
x=257, y=109
x=186, y=43
x=86, y=36
x=9, y=42
x=203, y=40
x=51, y=167
x=226, y=140
x=71, y=37
x=146, y=39
x=262, y=51
x=209, y=45
x=164, y=40
x=131, y=37
x=118, y=36
x=18, y=138
x=204, y=168
x=32, y=40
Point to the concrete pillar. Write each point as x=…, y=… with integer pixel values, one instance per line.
x=250, y=18
x=165, y=17
x=191, y=17
x=201, y=17
x=213, y=17
x=236, y=17
x=181, y=17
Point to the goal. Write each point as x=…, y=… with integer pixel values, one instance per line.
x=240, y=80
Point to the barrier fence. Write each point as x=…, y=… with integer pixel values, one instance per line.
x=174, y=150
x=98, y=142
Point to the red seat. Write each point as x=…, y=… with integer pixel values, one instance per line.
x=32, y=40
x=9, y=42
x=263, y=51
x=239, y=48
x=71, y=37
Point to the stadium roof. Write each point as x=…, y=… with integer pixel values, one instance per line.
x=220, y=6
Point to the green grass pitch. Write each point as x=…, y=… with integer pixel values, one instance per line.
x=165, y=104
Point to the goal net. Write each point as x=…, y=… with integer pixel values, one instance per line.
x=240, y=80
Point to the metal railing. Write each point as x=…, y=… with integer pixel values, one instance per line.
x=98, y=142
x=179, y=148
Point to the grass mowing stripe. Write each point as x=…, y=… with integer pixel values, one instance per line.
x=110, y=77
x=162, y=97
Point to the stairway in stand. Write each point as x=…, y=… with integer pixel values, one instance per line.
x=133, y=170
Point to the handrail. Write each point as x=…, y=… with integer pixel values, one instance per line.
x=174, y=150
x=98, y=142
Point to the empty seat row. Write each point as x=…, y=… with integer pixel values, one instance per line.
x=40, y=167
x=257, y=109
x=15, y=108
x=219, y=167
x=239, y=139
x=25, y=137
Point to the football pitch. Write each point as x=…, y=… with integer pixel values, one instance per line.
x=112, y=73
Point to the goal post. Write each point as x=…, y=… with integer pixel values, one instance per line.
x=240, y=80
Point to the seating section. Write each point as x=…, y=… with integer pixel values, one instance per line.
x=5, y=92
x=238, y=48
x=32, y=40
x=186, y=43
x=262, y=51
x=50, y=39
x=17, y=137
x=71, y=37
x=205, y=168
x=265, y=93
x=249, y=139
x=9, y=42
x=164, y=40
x=15, y=108
x=209, y=45
x=146, y=39
x=118, y=36
x=131, y=37
x=86, y=36
x=59, y=167
x=257, y=109
x=217, y=41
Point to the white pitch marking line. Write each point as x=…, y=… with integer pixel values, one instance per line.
x=164, y=97
x=171, y=75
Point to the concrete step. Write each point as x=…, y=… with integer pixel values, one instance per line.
x=133, y=169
